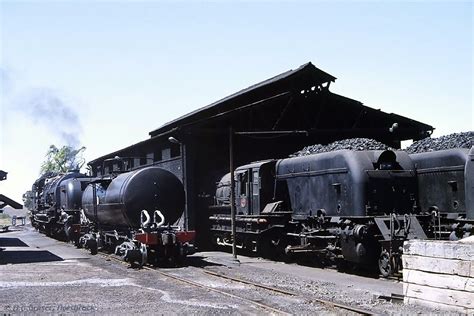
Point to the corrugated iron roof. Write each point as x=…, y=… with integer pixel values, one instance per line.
x=306, y=75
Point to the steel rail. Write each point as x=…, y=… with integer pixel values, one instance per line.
x=249, y=283
x=321, y=301
x=261, y=305
x=208, y=288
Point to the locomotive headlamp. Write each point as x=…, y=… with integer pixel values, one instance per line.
x=173, y=140
x=394, y=127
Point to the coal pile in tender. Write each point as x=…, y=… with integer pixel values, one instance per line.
x=456, y=140
x=351, y=144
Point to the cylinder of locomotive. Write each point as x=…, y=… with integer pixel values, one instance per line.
x=119, y=202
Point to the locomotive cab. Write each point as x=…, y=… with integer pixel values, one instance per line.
x=254, y=187
x=260, y=219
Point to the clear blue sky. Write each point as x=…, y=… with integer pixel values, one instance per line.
x=128, y=67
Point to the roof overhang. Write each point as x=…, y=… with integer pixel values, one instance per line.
x=304, y=77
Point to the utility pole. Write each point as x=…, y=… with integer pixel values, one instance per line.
x=232, y=191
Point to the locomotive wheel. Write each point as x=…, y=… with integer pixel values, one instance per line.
x=385, y=264
x=77, y=243
x=144, y=252
x=69, y=233
x=396, y=263
x=92, y=245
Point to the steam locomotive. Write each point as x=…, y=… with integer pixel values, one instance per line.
x=131, y=213
x=57, y=203
x=347, y=206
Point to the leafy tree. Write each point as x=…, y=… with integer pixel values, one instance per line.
x=28, y=200
x=60, y=160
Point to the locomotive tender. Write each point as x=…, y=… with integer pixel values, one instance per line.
x=446, y=188
x=131, y=213
x=356, y=206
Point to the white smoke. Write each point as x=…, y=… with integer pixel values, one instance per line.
x=45, y=107
x=31, y=119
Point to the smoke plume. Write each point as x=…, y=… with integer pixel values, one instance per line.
x=47, y=108
x=5, y=82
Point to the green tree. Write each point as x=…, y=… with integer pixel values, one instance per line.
x=60, y=160
x=28, y=200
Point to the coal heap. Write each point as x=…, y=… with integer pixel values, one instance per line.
x=351, y=144
x=455, y=140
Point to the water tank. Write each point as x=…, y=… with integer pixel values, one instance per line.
x=118, y=202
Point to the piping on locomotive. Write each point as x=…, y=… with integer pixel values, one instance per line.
x=355, y=206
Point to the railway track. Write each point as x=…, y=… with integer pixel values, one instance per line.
x=208, y=288
x=205, y=287
x=318, y=300
x=261, y=305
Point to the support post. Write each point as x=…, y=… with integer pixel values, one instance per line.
x=185, y=186
x=232, y=191
x=182, y=149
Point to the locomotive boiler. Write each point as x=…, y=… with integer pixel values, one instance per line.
x=135, y=214
x=356, y=206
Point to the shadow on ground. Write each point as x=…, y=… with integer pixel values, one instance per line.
x=200, y=262
x=11, y=242
x=28, y=256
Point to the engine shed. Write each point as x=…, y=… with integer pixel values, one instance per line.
x=270, y=119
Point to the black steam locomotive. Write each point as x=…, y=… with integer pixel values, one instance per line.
x=57, y=203
x=132, y=213
x=349, y=206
